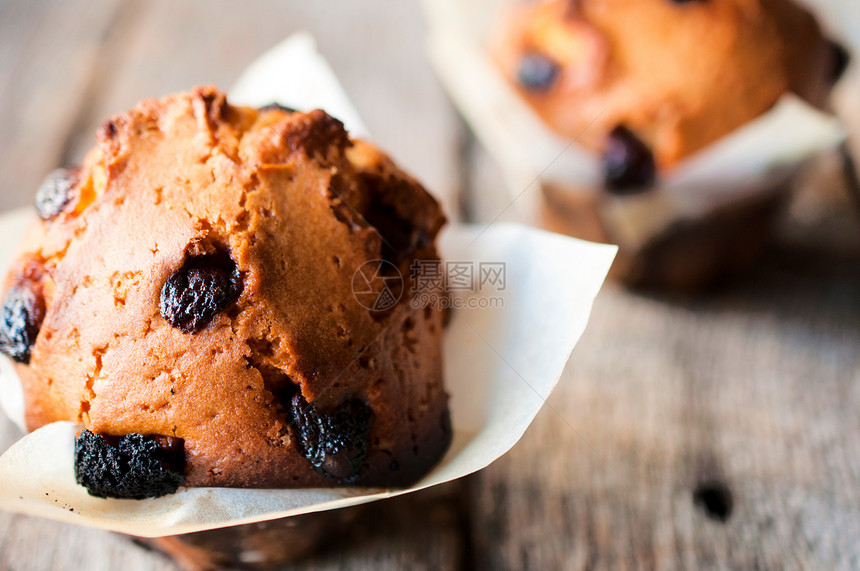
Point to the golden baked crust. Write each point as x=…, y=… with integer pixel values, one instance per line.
x=288, y=196
x=679, y=74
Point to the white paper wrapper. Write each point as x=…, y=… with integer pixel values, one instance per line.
x=754, y=158
x=501, y=363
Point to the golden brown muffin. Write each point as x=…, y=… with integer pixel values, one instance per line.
x=192, y=282
x=679, y=74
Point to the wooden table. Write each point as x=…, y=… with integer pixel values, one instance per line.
x=720, y=432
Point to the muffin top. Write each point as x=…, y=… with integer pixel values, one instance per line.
x=678, y=74
x=193, y=281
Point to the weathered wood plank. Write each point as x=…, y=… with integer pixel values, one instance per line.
x=48, y=51
x=754, y=388
x=64, y=68
x=419, y=531
x=376, y=49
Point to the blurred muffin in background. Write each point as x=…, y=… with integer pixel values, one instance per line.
x=645, y=85
x=674, y=75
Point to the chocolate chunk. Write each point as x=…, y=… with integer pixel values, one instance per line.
x=199, y=290
x=55, y=192
x=628, y=165
x=132, y=467
x=335, y=442
x=276, y=107
x=20, y=322
x=537, y=72
x=841, y=60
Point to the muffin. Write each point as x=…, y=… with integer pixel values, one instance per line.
x=643, y=86
x=188, y=297
x=661, y=78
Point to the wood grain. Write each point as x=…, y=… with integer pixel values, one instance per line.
x=755, y=388
x=66, y=67
x=745, y=400
x=48, y=53
x=159, y=47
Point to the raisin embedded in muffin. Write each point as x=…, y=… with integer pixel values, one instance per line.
x=190, y=287
x=677, y=74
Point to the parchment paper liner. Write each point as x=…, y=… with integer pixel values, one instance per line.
x=754, y=159
x=501, y=363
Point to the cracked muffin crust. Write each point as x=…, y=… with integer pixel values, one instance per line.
x=678, y=74
x=193, y=282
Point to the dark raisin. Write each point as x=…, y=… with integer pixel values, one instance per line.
x=277, y=107
x=20, y=322
x=199, y=290
x=841, y=60
x=628, y=164
x=335, y=442
x=400, y=237
x=537, y=72
x=55, y=192
x=132, y=467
